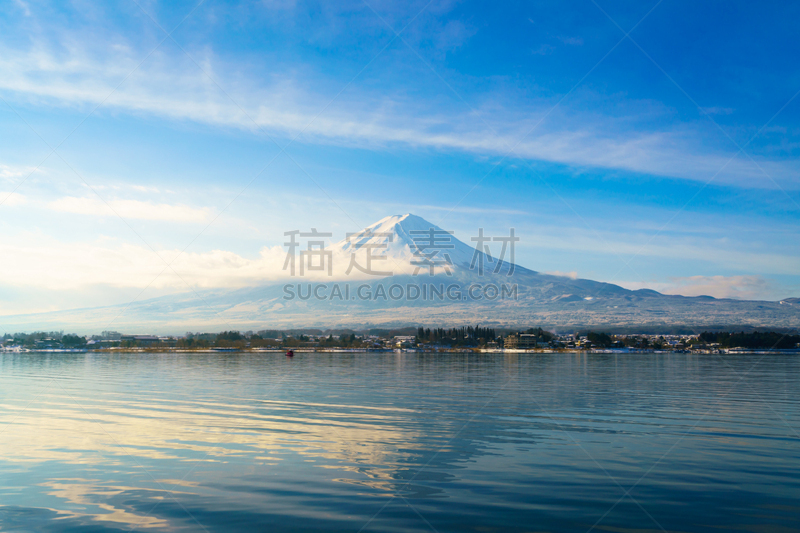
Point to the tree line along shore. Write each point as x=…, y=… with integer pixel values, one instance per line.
x=410, y=338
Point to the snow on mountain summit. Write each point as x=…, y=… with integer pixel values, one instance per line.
x=406, y=240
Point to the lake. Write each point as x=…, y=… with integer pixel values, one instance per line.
x=399, y=442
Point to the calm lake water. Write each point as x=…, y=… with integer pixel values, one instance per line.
x=399, y=442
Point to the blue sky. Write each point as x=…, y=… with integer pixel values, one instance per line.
x=666, y=159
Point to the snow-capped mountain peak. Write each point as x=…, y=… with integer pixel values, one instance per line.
x=409, y=240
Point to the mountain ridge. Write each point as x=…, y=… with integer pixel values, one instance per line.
x=536, y=299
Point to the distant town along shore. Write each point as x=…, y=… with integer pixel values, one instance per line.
x=465, y=338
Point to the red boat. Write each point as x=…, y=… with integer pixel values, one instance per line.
x=290, y=353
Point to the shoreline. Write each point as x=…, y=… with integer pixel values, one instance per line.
x=281, y=351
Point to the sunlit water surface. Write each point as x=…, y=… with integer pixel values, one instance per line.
x=399, y=442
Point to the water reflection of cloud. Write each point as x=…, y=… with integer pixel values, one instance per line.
x=93, y=497
x=487, y=434
x=367, y=442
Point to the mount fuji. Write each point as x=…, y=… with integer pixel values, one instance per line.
x=404, y=270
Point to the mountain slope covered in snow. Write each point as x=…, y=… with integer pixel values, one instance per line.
x=404, y=270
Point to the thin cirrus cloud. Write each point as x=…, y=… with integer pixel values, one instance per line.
x=9, y=198
x=130, y=209
x=570, y=275
x=175, y=88
x=12, y=173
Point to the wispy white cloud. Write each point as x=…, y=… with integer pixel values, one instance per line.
x=467, y=209
x=26, y=10
x=9, y=198
x=123, y=265
x=570, y=275
x=543, y=50
x=573, y=41
x=144, y=188
x=718, y=110
x=135, y=209
x=13, y=173
x=283, y=105
x=90, y=264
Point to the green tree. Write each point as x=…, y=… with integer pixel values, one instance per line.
x=73, y=341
